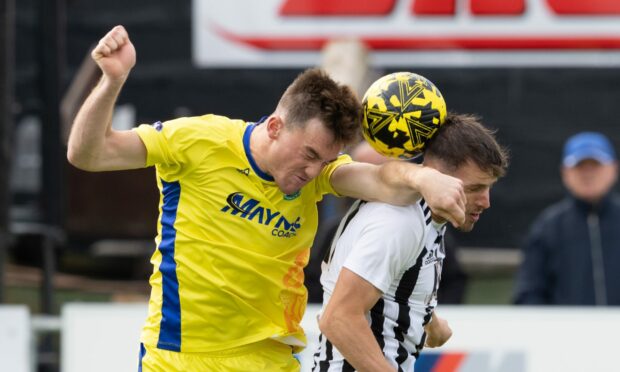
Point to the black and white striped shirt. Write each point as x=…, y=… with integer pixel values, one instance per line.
x=400, y=251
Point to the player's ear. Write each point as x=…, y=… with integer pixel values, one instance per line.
x=275, y=125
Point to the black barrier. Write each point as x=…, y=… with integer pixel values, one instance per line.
x=7, y=60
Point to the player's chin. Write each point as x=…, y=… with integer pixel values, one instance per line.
x=290, y=188
x=467, y=226
x=294, y=186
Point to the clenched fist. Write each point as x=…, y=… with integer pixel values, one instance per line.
x=115, y=54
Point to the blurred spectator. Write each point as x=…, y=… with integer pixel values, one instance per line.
x=572, y=251
x=453, y=280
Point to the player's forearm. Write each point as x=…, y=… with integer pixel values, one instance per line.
x=408, y=182
x=402, y=182
x=352, y=336
x=92, y=125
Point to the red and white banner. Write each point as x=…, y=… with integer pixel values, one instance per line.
x=237, y=33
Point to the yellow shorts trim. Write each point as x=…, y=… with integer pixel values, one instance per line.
x=266, y=355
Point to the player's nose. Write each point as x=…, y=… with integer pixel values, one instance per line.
x=484, y=199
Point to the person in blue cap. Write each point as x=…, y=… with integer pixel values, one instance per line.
x=572, y=251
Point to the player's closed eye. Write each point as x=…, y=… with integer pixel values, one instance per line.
x=475, y=188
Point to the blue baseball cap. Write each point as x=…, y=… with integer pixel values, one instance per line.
x=588, y=145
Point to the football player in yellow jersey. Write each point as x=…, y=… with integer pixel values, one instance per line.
x=238, y=212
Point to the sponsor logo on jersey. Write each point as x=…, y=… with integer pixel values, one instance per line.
x=158, y=126
x=238, y=204
x=430, y=257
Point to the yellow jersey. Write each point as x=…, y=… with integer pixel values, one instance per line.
x=231, y=247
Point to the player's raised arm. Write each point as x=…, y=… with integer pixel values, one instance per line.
x=402, y=183
x=93, y=144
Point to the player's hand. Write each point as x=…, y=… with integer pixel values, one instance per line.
x=115, y=54
x=438, y=332
x=444, y=195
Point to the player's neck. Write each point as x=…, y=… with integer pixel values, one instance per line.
x=259, y=146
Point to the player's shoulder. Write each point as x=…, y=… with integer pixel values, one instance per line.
x=210, y=128
x=393, y=216
x=205, y=124
x=389, y=209
x=399, y=229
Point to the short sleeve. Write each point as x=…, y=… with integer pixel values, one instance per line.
x=387, y=242
x=175, y=147
x=322, y=183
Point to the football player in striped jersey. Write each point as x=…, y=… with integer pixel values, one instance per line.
x=381, y=275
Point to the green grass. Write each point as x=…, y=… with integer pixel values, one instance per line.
x=489, y=290
x=495, y=290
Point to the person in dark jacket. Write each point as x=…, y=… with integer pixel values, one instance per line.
x=572, y=251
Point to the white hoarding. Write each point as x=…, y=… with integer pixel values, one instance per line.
x=515, y=339
x=101, y=337
x=104, y=337
x=237, y=33
x=15, y=339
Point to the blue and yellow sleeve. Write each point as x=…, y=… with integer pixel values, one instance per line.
x=323, y=185
x=175, y=147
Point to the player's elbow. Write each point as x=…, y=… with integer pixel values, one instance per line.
x=330, y=323
x=324, y=324
x=79, y=160
x=74, y=158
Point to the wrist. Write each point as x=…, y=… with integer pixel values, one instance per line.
x=113, y=84
x=419, y=178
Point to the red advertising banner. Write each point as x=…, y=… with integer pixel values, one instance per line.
x=402, y=32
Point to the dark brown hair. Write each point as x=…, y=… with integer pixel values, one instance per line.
x=461, y=138
x=314, y=94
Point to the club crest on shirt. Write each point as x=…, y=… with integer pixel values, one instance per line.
x=158, y=126
x=292, y=196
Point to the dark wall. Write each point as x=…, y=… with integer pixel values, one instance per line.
x=534, y=109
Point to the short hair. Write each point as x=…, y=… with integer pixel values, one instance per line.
x=313, y=94
x=463, y=138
